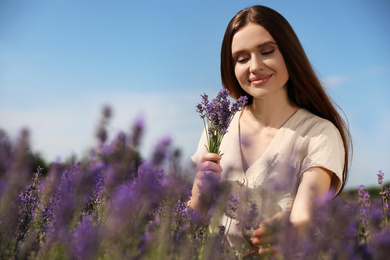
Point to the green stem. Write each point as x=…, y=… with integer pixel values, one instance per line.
x=384, y=205
x=206, y=129
x=227, y=229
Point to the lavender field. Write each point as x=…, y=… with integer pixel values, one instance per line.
x=113, y=204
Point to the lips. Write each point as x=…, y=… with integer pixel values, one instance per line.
x=261, y=79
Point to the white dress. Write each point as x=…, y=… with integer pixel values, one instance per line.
x=269, y=185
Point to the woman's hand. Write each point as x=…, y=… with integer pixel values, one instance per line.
x=313, y=188
x=208, y=175
x=270, y=232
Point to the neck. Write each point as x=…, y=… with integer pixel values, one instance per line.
x=272, y=111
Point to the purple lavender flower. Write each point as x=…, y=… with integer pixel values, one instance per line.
x=181, y=215
x=107, y=112
x=380, y=244
x=251, y=220
x=161, y=151
x=57, y=213
x=85, y=240
x=101, y=132
x=138, y=130
x=233, y=204
x=384, y=195
x=365, y=203
x=97, y=182
x=28, y=203
x=380, y=177
x=221, y=230
x=217, y=116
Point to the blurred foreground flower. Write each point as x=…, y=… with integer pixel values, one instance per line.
x=113, y=204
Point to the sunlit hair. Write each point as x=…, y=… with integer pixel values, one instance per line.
x=304, y=88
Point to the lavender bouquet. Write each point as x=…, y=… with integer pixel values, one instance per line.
x=217, y=116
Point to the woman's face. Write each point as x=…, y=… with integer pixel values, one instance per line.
x=258, y=64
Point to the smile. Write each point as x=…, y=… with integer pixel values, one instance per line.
x=261, y=79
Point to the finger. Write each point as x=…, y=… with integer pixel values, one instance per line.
x=263, y=230
x=256, y=241
x=211, y=157
x=270, y=250
x=265, y=240
x=210, y=167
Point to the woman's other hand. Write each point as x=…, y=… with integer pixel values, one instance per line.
x=271, y=232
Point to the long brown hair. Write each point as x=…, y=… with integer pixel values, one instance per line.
x=304, y=87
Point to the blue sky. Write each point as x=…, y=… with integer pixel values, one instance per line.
x=61, y=61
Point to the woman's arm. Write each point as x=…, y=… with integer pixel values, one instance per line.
x=313, y=188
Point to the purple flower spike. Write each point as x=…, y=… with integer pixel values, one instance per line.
x=365, y=203
x=161, y=150
x=384, y=194
x=107, y=112
x=233, y=204
x=138, y=130
x=380, y=177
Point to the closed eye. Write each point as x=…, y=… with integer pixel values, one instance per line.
x=242, y=60
x=267, y=52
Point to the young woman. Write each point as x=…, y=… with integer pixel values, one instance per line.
x=287, y=147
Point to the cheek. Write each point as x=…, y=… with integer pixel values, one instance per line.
x=239, y=73
x=277, y=66
x=284, y=70
x=272, y=64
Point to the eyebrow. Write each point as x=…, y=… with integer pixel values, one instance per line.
x=259, y=46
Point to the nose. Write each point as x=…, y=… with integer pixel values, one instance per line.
x=257, y=64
